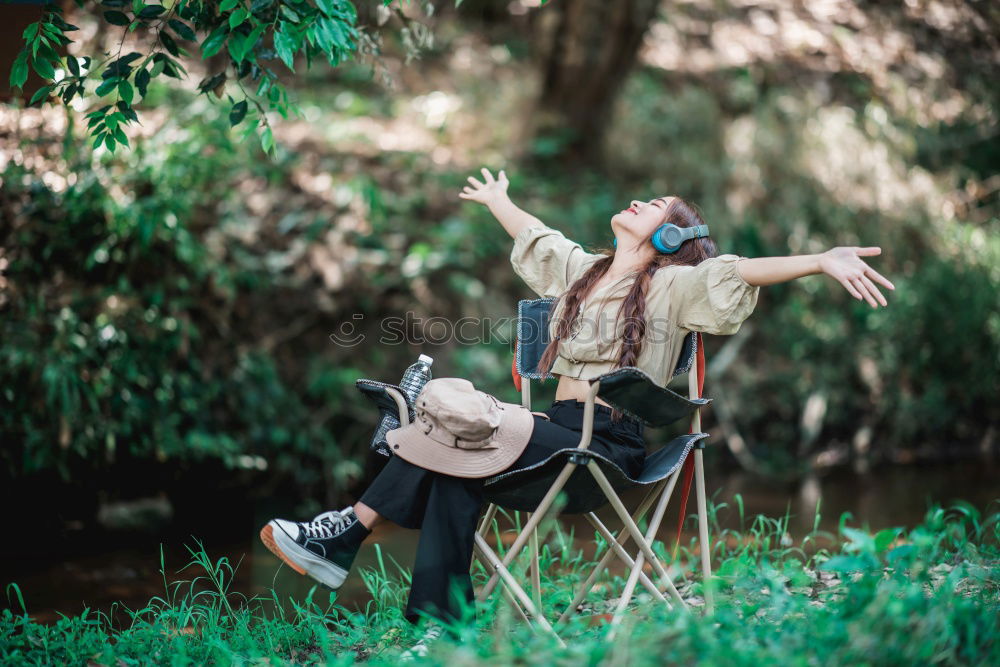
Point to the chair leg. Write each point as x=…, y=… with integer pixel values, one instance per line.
x=706, y=547
x=532, y=524
x=508, y=579
x=484, y=525
x=654, y=525
x=536, y=578
x=620, y=540
x=626, y=558
x=483, y=558
x=637, y=535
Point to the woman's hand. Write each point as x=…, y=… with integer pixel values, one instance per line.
x=493, y=194
x=486, y=193
x=846, y=266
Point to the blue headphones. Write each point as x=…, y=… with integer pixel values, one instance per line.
x=669, y=237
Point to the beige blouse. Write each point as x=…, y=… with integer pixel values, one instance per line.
x=710, y=297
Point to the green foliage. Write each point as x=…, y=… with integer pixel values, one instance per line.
x=115, y=343
x=256, y=35
x=894, y=597
x=225, y=270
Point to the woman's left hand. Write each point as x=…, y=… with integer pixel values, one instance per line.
x=846, y=266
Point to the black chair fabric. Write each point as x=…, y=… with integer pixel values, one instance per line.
x=634, y=393
x=376, y=392
x=523, y=489
x=533, y=317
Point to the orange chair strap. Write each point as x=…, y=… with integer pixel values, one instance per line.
x=689, y=462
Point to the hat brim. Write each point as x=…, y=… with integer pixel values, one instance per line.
x=516, y=425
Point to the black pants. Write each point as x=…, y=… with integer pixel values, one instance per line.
x=446, y=509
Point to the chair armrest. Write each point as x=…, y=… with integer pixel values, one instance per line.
x=389, y=398
x=588, y=416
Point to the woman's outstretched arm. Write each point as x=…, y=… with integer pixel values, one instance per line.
x=844, y=264
x=493, y=194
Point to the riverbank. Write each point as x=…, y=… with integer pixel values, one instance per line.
x=929, y=594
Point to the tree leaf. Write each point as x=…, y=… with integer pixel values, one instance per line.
x=236, y=46
x=70, y=91
x=73, y=64
x=240, y=46
x=183, y=30
x=41, y=94
x=106, y=87
x=238, y=17
x=116, y=18
x=254, y=37
x=238, y=113
x=44, y=68
x=19, y=70
x=125, y=90
x=329, y=7
x=142, y=81
x=127, y=112
x=151, y=11
x=169, y=44
x=226, y=5
x=214, y=42
x=286, y=44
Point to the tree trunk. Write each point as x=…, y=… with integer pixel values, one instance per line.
x=589, y=48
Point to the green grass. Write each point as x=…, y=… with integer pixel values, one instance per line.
x=928, y=595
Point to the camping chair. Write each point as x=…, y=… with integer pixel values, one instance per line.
x=584, y=481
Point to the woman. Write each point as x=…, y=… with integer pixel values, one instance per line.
x=630, y=307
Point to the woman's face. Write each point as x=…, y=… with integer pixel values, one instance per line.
x=638, y=222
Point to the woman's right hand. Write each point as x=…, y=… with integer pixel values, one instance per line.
x=486, y=193
x=845, y=265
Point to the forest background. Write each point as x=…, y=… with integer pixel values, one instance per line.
x=169, y=309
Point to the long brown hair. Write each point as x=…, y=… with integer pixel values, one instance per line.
x=633, y=308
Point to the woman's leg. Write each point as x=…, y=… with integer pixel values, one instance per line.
x=325, y=547
x=441, y=584
x=367, y=516
x=445, y=509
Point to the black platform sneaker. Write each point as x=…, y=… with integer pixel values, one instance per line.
x=323, y=548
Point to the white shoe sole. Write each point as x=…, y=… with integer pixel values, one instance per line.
x=301, y=559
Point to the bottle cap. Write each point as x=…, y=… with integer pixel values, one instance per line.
x=424, y=358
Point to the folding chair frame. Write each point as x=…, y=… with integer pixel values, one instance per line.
x=660, y=493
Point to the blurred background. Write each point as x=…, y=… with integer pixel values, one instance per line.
x=167, y=370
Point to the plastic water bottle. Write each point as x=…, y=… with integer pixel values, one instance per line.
x=414, y=379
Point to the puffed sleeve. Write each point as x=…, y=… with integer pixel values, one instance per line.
x=548, y=261
x=712, y=297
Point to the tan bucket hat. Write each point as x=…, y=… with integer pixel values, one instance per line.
x=461, y=431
